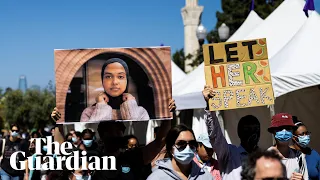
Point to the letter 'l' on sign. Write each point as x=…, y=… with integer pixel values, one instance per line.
x=248, y=50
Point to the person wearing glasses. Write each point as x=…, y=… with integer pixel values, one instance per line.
x=180, y=146
x=8, y=146
x=264, y=165
x=301, y=140
x=282, y=127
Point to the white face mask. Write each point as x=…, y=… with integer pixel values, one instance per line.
x=80, y=177
x=185, y=156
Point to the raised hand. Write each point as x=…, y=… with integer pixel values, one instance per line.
x=127, y=97
x=55, y=115
x=172, y=105
x=208, y=93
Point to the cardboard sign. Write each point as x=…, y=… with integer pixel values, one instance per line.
x=122, y=84
x=240, y=74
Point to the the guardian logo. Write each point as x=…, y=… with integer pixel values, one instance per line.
x=53, y=161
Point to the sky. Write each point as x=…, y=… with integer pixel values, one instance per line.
x=31, y=30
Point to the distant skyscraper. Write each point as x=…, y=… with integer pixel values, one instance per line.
x=23, y=83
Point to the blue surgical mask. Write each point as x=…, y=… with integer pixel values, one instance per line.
x=74, y=139
x=44, y=148
x=185, y=156
x=14, y=134
x=87, y=143
x=80, y=177
x=283, y=135
x=304, y=141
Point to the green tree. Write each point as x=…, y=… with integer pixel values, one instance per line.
x=234, y=14
x=179, y=58
x=29, y=109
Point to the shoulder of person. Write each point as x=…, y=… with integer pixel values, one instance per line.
x=158, y=173
x=315, y=153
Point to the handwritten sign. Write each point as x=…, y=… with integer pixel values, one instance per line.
x=239, y=72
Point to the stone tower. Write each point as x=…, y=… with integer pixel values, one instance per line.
x=191, y=15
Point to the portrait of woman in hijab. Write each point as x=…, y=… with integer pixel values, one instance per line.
x=115, y=103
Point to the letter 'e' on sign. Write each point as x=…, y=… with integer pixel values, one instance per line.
x=239, y=72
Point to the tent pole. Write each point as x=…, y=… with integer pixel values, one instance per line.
x=272, y=113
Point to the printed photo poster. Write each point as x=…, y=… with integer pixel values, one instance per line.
x=113, y=84
x=239, y=72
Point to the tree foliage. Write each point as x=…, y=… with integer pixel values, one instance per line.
x=234, y=13
x=28, y=109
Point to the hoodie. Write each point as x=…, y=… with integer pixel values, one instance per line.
x=165, y=170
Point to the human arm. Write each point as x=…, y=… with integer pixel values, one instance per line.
x=151, y=150
x=26, y=173
x=58, y=137
x=217, y=139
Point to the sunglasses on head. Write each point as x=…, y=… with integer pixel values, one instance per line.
x=181, y=145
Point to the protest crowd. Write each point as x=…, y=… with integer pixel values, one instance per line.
x=175, y=153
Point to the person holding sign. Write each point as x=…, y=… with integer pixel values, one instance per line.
x=282, y=127
x=115, y=103
x=230, y=157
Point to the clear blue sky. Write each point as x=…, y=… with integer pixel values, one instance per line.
x=31, y=30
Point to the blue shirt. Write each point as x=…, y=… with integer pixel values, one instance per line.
x=313, y=164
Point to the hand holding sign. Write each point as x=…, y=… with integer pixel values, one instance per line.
x=208, y=93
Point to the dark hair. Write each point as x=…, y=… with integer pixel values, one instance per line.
x=297, y=122
x=87, y=131
x=173, y=135
x=245, y=120
x=249, y=167
x=35, y=132
x=105, y=125
x=128, y=137
x=69, y=134
x=12, y=125
x=115, y=102
x=78, y=134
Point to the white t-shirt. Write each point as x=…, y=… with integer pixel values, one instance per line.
x=292, y=163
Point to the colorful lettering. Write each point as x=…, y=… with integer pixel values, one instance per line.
x=249, y=69
x=220, y=75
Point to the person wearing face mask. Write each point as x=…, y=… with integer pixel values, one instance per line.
x=301, y=140
x=282, y=127
x=128, y=163
x=180, y=146
x=13, y=144
x=76, y=139
x=231, y=157
x=89, y=144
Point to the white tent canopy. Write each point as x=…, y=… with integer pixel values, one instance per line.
x=296, y=66
x=188, y=92
x=295, y=73
x=280, y=26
